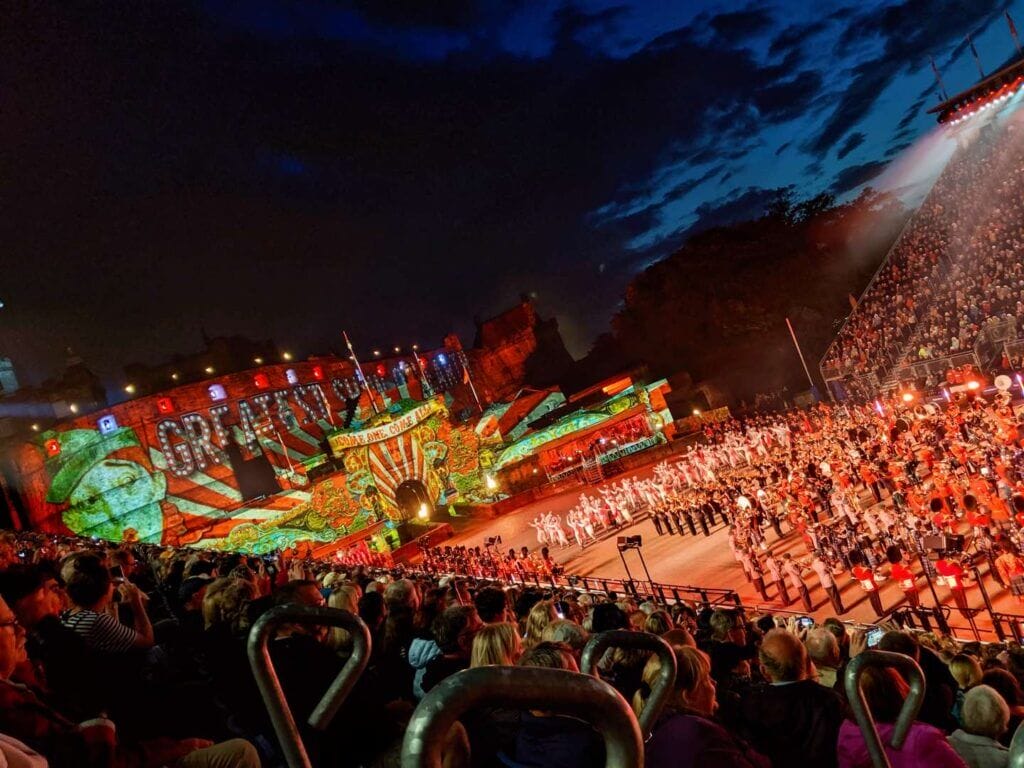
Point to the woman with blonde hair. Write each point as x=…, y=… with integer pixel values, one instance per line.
x=658, y=623
x=542, y=614
x=496, y=645
x=346, y=597
x=684, y=735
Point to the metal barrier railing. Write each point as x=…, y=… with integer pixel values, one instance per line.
x=281, y=717
x=862, y=713
x=1017, y=748
x=661, y=691
x=551, y=690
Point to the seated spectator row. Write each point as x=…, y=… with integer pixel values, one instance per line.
x=136, y=656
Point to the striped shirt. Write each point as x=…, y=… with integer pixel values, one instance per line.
x=100, y=631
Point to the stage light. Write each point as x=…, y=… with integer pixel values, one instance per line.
x=424, y=513
x=208, y=369
x=696, y=411
x=535, y=470
x=258, y=360
x=73, y=408
x=130, y=389
x=175, y=376
x=415, y=347
x=908, y=397
x=376, y=353
x=491, y=483
x=397, y=350
x=441, y=359
x=973, y=385
x=53, y=447
x=286, y=355
x=35, y=427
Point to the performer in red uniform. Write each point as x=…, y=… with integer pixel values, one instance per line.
x=866, y=578
x=951, y=573
x=907, y=582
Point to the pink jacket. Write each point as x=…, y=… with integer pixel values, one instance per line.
x=926, y=747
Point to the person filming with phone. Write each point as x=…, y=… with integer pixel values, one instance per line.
x=94, y=613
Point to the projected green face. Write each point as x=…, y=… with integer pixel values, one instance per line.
x=114, y=497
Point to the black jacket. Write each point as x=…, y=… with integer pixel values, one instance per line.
x=793, y=725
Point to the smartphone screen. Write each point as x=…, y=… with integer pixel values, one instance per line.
x=805, y=622
x=874, y=635
x=117, y=573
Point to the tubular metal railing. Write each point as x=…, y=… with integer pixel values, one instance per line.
x=862, y=713
x=281, y=717
x=661, y=691
x=551, y=690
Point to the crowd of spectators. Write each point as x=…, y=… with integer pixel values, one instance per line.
x=955, y=267
x=135, y=656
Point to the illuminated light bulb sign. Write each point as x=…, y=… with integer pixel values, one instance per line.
x=246, y=418
x=52, y=447
x=178, y=454
x=291, y=376
x=217, y=414
x=106, y=424
x=217, y=392
x=197, y=434
x=318, y=372
x=284, y=410
x=261, y=380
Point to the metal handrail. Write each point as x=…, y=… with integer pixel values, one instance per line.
x=270, y=686
x=552, y=690
x=862, y=713
x=1017, y=748
x=661, y=691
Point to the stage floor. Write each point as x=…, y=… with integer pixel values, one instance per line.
x=708, y=562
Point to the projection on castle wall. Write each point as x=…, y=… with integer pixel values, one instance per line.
x=254, y=462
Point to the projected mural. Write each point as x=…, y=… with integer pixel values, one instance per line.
x=257, y=461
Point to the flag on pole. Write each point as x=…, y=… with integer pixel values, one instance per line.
x=974, y=52
x=359, y=370
x=853, y=301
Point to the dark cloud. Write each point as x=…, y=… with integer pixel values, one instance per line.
x=737, y=26
x=686, y=187
x=740, y=204
x=854, y=176
x=783, y=148
x=725, y=177
x=573, y=23
x=853, y=141
x=913, y=113
x=897, y=148
x=444, y=14
x=911, y=30
x=787, y=100
x=795, y=36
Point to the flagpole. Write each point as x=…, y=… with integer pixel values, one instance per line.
x=359, y=368
x=800, y=353
x=469, y=379
x=938, y=79
x=974, y=52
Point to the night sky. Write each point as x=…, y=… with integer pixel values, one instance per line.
x=287, y=169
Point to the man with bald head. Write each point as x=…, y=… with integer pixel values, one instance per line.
x=823, y=648
x=792, y=720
